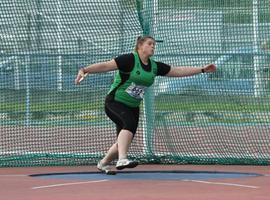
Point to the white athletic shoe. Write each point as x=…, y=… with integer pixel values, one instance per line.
x=125, y=163
x=103, y=168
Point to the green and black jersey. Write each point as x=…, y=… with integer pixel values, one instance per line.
x=133, y=78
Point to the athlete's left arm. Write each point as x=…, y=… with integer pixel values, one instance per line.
x=190, y=71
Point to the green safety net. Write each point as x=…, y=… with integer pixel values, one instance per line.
x=217, y=118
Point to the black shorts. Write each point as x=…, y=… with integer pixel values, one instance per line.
x=123, y=116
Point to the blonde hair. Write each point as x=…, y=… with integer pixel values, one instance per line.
x=141, y=39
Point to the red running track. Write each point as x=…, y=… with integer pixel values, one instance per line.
x=17, y=185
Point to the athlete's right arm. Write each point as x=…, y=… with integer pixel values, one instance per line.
x=101, y=67
x=95, y=68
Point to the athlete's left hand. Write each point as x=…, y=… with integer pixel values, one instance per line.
x=209, y=68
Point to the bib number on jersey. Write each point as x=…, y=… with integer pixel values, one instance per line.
x=136, y=91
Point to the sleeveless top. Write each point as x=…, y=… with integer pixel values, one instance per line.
x=131, y=91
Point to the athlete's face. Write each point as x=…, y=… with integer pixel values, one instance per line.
x=148, y=47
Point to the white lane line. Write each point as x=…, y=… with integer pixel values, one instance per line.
x=12, y=175
x=227, y=184
x=66, y=184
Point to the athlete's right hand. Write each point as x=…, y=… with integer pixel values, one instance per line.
x=80, y=76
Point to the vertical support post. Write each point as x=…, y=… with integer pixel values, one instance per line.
x=27, y=71
x=256, y=58
x=16, y=73
x=28, y=102
x=59, y=46
x=149, y=22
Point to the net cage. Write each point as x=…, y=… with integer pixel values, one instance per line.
x=217, y=118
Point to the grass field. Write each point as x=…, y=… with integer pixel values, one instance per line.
x=166, y=103
x=90, y=108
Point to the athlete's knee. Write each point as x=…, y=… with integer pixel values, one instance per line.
x=131, y=128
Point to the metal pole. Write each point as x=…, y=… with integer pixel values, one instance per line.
x=149, y=22
x=27, y=70
x=28, y=114
x=16, y=73
x=59, y=46
x=257, y=78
